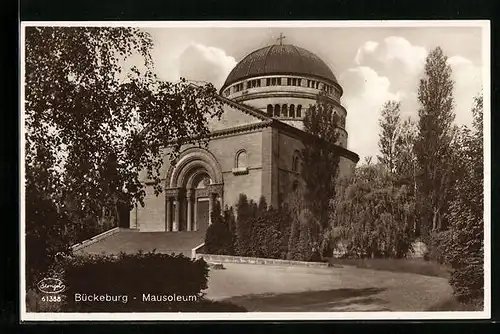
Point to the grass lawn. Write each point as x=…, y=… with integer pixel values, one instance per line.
x=413, y=266
x=265, y=288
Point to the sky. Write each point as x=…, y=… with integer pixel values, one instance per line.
x=372, y=64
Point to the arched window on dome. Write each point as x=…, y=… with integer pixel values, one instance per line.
x=277, y=110
x=335, y=117
x=270, y=110
x=284, y=110
x=299, y=111
x=291, y=112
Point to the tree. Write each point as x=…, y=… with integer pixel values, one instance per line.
x=405, y=159
x=99, y=122
x=396, y=143
x=432, y=146
x=373, y=216
x=246, y=211
x=390, y=125
x=320, y=161
x=219, y=239
x=465, y=250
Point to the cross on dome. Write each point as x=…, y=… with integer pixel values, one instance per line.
x=281, y=38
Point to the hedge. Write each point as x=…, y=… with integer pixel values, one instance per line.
x=134, y=276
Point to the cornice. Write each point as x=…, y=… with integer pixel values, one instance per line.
x=308, y=137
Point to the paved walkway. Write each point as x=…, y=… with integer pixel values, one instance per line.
x=267, y=288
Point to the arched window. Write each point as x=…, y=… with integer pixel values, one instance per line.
x=336, y=118
x=284, y=110
x=270, y=110
x=241, y=159
x=299, y=111
x=277, y=110
x=291, y=113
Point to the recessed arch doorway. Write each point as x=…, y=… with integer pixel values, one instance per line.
x=194, y=184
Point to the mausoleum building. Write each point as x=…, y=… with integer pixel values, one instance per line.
x=254, y=149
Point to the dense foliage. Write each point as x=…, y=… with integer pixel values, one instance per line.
x=93, y=122
x=132, y=275
x=269, y=236
x=465, y=251
x=320, y=162
x=390, y=124
x=219, y=238
x=246, y=211
x=373, y=216
x=433, y=142
x=305, y=230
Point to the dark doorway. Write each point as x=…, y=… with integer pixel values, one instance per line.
x=123, y=215
x=202, y=215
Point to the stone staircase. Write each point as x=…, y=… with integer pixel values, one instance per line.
x=131, y=241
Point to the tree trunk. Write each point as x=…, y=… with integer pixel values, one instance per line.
x=435, y=219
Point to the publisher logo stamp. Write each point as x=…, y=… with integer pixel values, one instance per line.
x=51, y=285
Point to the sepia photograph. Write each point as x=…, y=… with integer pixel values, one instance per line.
x=255, y=170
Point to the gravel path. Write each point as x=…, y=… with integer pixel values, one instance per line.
x=267, y=288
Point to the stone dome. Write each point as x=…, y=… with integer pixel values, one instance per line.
x=283, y=82
x=280, y=59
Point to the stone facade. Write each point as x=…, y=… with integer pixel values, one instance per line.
x=253, y=156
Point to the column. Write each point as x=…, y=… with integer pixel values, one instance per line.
x=177, y=204
x=189, y=199
x=168, y=228
x=210, y=207
x=195, y=214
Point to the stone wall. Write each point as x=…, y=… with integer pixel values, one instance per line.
x=255, y=260
x=151, y=218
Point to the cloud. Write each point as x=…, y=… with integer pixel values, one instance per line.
x=366, y=91
x=205, y=63
x=367, y=48
x=391, y=70
x=393, y=51
x=468, y=82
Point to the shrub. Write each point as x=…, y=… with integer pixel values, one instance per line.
x=45, y=237
x=436, y=243
x=219, y=239
x=268, y=235
x=246, y=211
x=302, y=245
x=132, y=275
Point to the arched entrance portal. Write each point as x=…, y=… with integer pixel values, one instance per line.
x=194, y=184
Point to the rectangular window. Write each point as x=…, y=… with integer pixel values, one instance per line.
x=268, y=82
x=289, y=81
x=299, y=82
